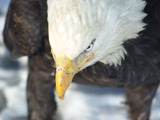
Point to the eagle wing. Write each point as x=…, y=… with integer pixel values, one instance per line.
x=22, y=31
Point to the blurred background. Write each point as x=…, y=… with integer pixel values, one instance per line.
x=81, y=102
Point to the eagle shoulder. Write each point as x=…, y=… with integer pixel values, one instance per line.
x=22, y=31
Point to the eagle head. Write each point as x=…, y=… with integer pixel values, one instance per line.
x=83, y=32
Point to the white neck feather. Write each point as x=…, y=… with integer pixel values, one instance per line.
x=124, y=20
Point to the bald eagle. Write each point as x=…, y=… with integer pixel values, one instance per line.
x=108, y=43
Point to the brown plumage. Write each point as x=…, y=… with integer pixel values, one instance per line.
x=26, y=33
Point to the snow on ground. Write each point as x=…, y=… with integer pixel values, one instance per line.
x=81, y=102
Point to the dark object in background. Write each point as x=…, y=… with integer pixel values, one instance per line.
x=26, y=33
x=3, y=101
x=0, y=11
x=8, y=63
x=25, y=37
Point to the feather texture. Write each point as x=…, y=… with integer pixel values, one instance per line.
x=73, y=24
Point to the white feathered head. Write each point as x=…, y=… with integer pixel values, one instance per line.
x=82, y=32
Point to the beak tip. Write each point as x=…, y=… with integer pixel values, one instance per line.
x=60, y=91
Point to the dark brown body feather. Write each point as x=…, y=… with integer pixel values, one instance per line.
x=26, y=33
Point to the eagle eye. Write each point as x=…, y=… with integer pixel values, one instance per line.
x=89, y=48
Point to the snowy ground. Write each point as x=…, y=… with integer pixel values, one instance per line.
x=81, y=102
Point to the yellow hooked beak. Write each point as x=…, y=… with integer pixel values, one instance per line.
x=65, y=71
